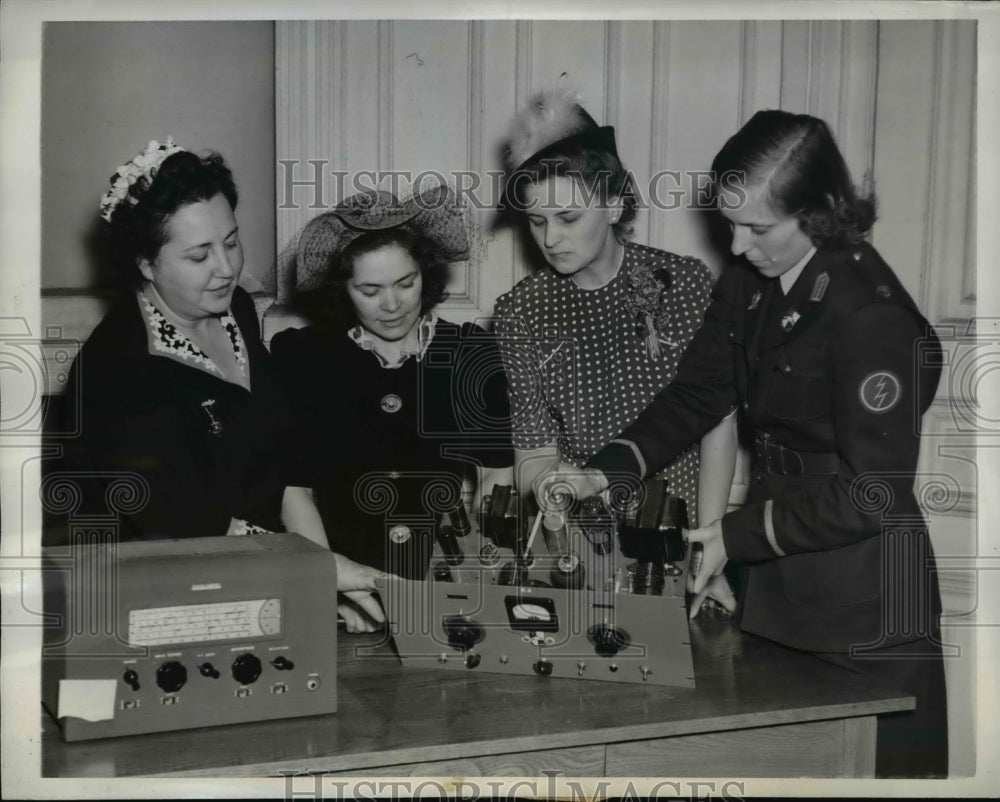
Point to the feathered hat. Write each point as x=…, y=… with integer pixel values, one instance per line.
x=553, y=122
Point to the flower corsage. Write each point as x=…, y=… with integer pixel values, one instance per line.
x=644, y=304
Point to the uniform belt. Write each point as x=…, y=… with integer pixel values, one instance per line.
x=774, y=458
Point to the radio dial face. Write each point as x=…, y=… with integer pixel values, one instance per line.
x=270, y=617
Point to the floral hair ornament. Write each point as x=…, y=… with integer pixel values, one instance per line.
x=145, y=166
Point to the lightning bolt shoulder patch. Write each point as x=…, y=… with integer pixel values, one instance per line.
x=880, y=391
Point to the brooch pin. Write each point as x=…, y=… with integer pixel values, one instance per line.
x=819, y=287
x=391, y=403
x=789, y=320
x=754, y=301
x=216, y=427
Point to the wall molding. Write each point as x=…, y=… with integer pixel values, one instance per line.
x=613, y=38
x=660, y=131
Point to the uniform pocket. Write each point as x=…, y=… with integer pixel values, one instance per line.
x=800, y=388
x=834, y=578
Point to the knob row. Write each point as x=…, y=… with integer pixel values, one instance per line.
x=172, y=675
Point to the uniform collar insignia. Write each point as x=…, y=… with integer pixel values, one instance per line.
x=789, y=320
x=755, y=301
x=819, y=287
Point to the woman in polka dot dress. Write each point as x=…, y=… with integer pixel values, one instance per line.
x=588, y=343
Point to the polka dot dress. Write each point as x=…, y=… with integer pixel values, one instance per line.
x=577, y=363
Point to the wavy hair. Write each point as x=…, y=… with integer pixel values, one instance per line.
x=795, y=159
x=137, y=231
x=599, y=172
x=330, y=306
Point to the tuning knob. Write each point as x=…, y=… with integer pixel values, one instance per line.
x=246, y=668
x=171, y=676
x=463, y=633
x=608, y=641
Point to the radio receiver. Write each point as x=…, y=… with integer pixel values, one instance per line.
x=171, y=634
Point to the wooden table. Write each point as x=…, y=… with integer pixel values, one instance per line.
x=759, y=710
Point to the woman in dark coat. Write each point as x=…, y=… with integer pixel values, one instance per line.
x=395, y=407
x=177, y=399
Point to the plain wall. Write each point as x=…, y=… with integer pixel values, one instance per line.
x=110, y=88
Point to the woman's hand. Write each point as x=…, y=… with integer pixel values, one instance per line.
x=562, y=483
x=360, y=611
x=716, y=593
x=713, y=558
x=358, y=607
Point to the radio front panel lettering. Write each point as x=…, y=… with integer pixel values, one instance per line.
x=204, y=623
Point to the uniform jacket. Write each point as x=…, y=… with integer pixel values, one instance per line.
x=842, y=368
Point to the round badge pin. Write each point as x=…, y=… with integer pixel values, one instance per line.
x=880, y=391
x=399, y=534
x=391, y=403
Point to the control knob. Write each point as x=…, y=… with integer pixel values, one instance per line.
x=463, y=633
x=608, y=641
x=171, y=676
x=246, y=668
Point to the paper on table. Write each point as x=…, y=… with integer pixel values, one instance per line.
x=89, y=699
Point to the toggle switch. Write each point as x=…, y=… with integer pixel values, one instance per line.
x=131, y=679
x=208, y=670
x=543, y=668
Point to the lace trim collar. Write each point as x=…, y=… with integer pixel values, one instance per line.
x=164, y=338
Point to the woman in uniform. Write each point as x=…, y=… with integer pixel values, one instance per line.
x=831, y=365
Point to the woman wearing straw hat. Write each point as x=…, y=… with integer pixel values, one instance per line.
x=395, y=405
x=589, y=341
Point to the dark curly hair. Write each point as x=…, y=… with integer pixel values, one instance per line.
x=138, y=231
x=600, y=173
x=329, y=305
x=795, y=158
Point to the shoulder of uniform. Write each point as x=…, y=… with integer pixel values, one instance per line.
x=859, y=277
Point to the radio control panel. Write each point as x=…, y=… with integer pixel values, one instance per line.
x=167, y=635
